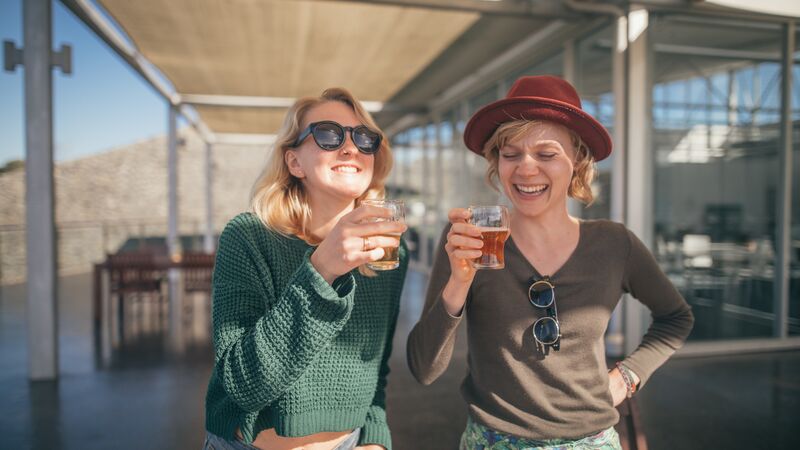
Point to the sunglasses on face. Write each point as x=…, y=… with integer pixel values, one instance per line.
x=546, y=330
x=330, y=135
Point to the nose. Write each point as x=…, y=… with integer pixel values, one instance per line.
x=348, y=146
x=528, y=166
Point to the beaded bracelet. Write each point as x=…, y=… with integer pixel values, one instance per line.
x=630, y=386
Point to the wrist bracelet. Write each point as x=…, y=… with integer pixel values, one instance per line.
x=630, y=386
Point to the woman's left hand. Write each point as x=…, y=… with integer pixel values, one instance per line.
x=370, y=447
x=616, y=384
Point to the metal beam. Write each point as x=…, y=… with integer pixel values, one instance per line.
x=737, y=347
x=245, y=139
x=490, y=71
x=87, y=12
x=250, y=101
x=540, y=9
x=706, y=22
x=94, y=18
x=784, y=207
x=709, y=52
x=401, y=124
x=41, y=252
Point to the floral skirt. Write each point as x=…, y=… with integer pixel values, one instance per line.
x=478, y=437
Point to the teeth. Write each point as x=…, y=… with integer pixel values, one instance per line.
x=531, y=189
x=345, y=169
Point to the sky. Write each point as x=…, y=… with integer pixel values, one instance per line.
x=102, y=105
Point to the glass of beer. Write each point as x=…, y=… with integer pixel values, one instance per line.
x=391, y=255
x=493, y=222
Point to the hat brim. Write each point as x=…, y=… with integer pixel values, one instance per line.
x=486, y=121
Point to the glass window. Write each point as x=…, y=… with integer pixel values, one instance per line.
x=794, y=255
x=594, y=84
x=716, y=123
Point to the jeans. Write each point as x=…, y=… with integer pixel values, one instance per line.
x=214, y=442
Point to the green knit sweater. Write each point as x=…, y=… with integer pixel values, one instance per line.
x=293, y=352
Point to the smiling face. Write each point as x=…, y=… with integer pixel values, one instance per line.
x=535, y=169
x=344, y=173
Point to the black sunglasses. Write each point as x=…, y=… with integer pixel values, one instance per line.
x=546, y=330
x=330, y=135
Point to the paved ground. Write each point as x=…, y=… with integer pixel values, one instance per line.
x=147, y=400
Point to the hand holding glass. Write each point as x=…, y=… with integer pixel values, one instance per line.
x=391, y=256
x=493, y=222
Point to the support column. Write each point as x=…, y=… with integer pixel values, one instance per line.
x=173, y=245
x=574, y=207
x=733, y=99
x=441, y=214
x=208, y=237
x=425, y=228
x=639, y=157
x=39, y=193
x=783, y=232
x=463, y=115
x=175, y=333
x=615, y=337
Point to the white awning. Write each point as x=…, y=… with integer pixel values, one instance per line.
x=284, y=49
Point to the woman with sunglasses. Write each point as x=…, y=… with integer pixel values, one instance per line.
x=302, y=330
x=537, y=375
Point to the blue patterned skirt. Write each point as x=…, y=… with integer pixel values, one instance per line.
x=479, y=437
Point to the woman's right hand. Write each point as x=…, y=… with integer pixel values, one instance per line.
x=463, y=245
x=343, y=249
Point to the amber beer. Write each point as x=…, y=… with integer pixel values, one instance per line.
x=492, y=256
x=493, y=223
x=391, y=257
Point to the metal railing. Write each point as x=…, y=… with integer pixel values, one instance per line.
x=81, y=244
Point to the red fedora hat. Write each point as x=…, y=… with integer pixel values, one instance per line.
x=542, y=97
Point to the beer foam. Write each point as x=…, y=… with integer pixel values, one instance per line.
x=493, y=229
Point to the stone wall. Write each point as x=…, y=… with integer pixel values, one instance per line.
x=105, y=199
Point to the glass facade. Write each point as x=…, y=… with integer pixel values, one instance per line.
x=716, y=138
x=794, y=248
x=715, y=145
x=594, y=83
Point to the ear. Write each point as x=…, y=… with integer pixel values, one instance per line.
x=293, y=164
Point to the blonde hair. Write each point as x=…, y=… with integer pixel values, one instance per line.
x=279, y=199
x=580, y=186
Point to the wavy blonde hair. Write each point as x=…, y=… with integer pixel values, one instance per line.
x=279, y=199
x=584, y=170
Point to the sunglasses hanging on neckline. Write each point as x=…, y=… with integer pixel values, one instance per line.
x=546, y=330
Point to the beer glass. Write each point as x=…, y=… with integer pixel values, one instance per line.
x=391, y=255
x=493, y=222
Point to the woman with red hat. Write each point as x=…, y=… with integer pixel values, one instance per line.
x=537, y=374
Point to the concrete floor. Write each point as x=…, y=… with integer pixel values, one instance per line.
x=146, y=399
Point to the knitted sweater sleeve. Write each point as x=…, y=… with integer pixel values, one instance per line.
x=432, y=340
x=376, y=428
x=264, y=340
x=672, y=316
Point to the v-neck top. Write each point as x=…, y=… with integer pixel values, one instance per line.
x=514, y=387
x=510, y=243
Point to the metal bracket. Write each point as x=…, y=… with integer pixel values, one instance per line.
x=62, y=59
x=12, y=57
